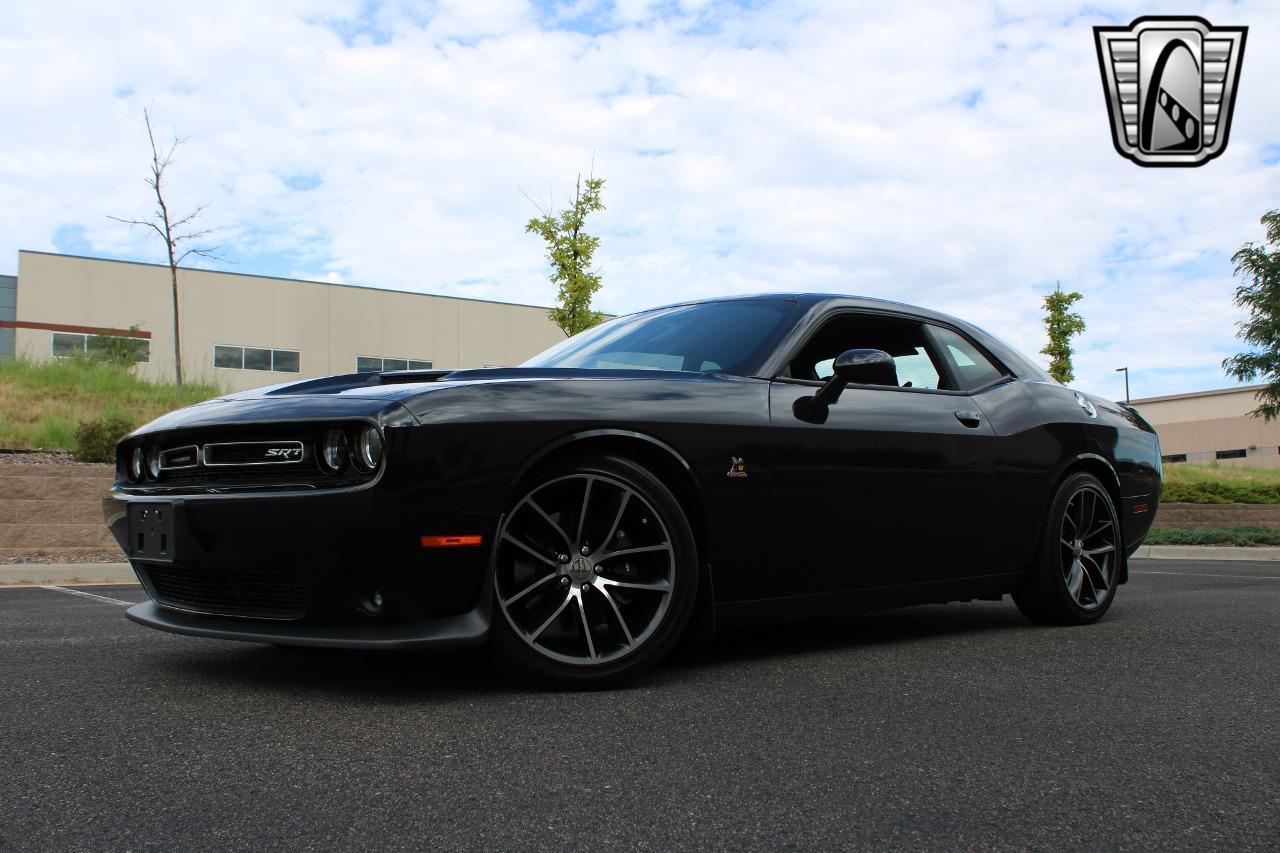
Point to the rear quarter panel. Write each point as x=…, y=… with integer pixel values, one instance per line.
x=1042, y=435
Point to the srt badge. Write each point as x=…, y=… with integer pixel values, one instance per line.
x=1170, y=85
x=737, y=468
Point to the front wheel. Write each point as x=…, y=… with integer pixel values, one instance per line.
x=595, y=574
x=1073, y=579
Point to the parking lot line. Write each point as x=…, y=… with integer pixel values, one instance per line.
x=1207, y=575
x=92, y=595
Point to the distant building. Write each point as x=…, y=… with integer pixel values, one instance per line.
x=241, y=330
x=1210, y=426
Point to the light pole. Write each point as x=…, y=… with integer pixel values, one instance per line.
x=1125, y=370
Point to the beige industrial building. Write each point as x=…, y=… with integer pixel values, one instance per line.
x=1213, y=426
x=241, y=331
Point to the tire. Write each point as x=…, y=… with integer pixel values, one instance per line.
x=1073, y=578
x=595, y=574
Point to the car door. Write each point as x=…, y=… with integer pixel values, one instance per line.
x=891, y=484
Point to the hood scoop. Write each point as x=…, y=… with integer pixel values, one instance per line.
x=404, y=377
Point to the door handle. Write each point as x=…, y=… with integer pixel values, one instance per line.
x=969, y=419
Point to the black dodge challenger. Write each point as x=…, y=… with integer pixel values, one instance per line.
x=665, y=473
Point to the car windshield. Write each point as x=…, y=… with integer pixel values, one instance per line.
x=733, y=337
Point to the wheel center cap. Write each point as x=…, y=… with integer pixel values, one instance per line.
x=581, y=567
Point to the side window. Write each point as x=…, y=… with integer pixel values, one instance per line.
x=902, y=339
x=971, y=367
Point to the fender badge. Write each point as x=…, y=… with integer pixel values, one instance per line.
x=737, y=468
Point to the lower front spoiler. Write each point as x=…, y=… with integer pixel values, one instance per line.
x=467, y=629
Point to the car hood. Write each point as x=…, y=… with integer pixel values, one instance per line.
x=378, y=396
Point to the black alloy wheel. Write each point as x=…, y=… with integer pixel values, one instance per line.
x=595, y=574
x=1073, y=580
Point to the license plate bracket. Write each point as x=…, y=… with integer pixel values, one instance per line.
x=151, y=531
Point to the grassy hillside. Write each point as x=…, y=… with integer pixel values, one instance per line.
x=41, y=404
x=1219, y=484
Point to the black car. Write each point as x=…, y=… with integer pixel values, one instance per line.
x=669, y=472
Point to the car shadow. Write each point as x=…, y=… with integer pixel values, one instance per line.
x=416, y=677
x=864, y=629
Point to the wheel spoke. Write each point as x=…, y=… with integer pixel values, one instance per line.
x=1097, y=530
x=1066, y=516
x=1067, y=543
x=647, y=549
x=528, y=550
x=617, y=615
x=528, y=589
x=1105, y=549
x=582, y=516
x=1103, y=576
x=652, y=586
x=545, y=625
x=617, y=519
x=565, y=536
x=1093, y=590
x=1075, y=578
x=586, y=626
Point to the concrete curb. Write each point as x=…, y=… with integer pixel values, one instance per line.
x=1206, y=552
x=39, y=574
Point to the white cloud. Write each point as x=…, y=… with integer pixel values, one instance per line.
x=951, y=155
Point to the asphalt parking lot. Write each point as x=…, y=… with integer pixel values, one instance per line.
x=958, y=726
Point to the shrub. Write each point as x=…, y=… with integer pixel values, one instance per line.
x=96, y=440
x=1213, y=536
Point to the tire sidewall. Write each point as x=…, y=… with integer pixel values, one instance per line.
x=512, y=652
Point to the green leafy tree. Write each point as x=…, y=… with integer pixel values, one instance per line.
x=1259, y=266
x=1062, y=325
x=569, y=250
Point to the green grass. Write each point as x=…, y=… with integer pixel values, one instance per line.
x=1219, y=484
x=42, y=403
x=1213, y=536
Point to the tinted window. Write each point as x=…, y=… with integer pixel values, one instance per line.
x=419, y=365
x=734, y=337
x=65, y=345
x=972, y=368
x=228, y=357
x=395, y=364
x=257, y=359
x=368, y=364
x=284, y=361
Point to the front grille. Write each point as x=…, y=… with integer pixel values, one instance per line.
x=252, y=457
x=266, y=593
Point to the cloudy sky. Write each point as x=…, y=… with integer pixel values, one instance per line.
x=954, y=155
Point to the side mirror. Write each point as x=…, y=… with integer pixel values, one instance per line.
x=860, y=367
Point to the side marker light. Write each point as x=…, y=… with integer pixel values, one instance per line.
x=451, y=541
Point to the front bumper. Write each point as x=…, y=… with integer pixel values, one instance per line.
x=300, y=568
x=468, y=629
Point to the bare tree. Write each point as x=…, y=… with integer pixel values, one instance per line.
x=178, y=243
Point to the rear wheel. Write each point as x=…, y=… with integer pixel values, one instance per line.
x=1073, y=580
x=595, y=574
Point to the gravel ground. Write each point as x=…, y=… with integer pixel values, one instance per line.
x=37, y=457
x=958, y=727
x=85, y=555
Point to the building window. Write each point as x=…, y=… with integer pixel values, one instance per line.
x=66, y=344
x=377, y=364
x=257, y=358
x=1174, y=457
x=1230, y=454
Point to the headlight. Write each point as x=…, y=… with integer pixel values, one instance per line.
x=369, y=449
x=137, y=464
x=333, y=451
x=153, y=462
